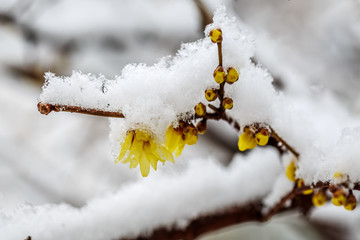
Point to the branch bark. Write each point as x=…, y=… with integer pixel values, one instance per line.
x=45, y=108
x=254, y=211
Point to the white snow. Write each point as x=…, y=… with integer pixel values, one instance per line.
x=204, y=187
x=66, y=157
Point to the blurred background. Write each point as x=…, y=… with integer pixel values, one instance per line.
x=312, y=49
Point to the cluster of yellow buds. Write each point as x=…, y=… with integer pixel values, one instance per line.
x=176, y=138
x=230, y=77
x=252, y=136
x=344, y=198
x=341, y=196
x=220, y=76
x=140, y=148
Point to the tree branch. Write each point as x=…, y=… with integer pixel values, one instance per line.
x=204, y=13
x=254, y=211
x=45, y=108
x=284, y=143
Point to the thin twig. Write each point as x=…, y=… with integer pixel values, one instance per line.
x=284, y=143
x=45, y=108
x=219, y=45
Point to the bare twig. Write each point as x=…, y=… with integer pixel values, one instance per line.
x=284, y=143
x=45, y=108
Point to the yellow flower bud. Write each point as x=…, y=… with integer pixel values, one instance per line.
x=338, y=198
x=300, y=183
x=262, y=137
x=290, y=171
x=200, y=109
x=216, y=35
x=232, y=76
x=247, y=140
x=201, y=126
x=211, y=95
x=219, y=75
x=227, y=103
x=319, y=198
x=350, y=203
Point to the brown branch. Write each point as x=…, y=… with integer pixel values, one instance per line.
x=235, y=215
x=45, y=108
x=284, y=143
x=208, y=223
x=219, y=45
x=205, y=15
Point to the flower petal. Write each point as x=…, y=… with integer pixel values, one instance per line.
x=180, y=147
x=126, y=146
x=150, y=156
x=246, y=141
x=144, y=165
x=261, y=139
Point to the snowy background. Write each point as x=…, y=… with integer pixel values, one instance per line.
x=57, y=175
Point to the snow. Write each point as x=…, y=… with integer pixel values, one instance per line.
x=171, y=87
x=57, y=174
x=130, y=211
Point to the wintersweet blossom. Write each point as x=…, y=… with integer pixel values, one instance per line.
x=319, y=198
x=176, y=138
x=141, y=148
x=249, y=139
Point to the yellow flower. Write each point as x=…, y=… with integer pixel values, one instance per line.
x=228, y=103
x=232, y=76
x=200, y=109
x=219, y=75
x=176, y=138
x=216, y=35
x=350, y=203
x=249, y=139
x=211, y=95
x=140, y=148
x=319, y=198
x=338, y=198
